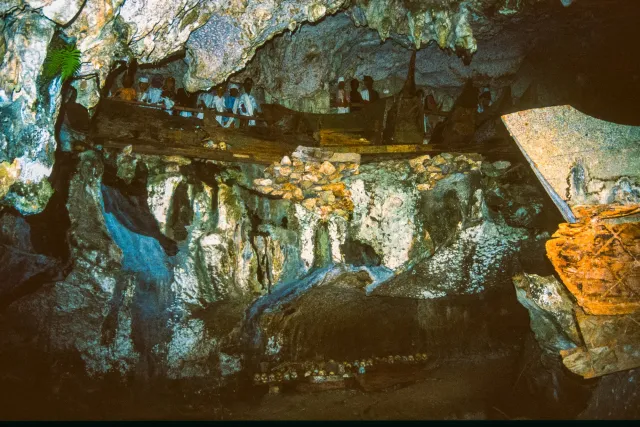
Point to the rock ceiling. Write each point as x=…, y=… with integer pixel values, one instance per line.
x=219, y=37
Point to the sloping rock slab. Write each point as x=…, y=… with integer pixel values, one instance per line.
x=578, y=158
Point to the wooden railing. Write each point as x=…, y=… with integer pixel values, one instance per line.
x=188, y=109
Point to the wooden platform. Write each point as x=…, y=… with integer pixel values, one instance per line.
x=153, y=131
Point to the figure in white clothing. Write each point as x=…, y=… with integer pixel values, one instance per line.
x=247, y=105
x=341, y=100
x=205, y=100
x=153, y=95
x=218, y=103
x=230, y=102
x=143, y=86
x=369, y=94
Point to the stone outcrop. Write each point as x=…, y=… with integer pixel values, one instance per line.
x=219, y=38
x=169, y=255
x=595, y=254
x=589, y=345
x=335, y=47
x=580, y=160
x=27, y=115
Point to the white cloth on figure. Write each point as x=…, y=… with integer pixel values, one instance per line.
x=218, y=102
x=364, y=94
x=206, y=99
x=246, y=105
x=168, y=104
x=341, y=99
x=153, y=95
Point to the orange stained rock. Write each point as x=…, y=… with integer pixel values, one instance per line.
x=338, y=189
x=598, y=258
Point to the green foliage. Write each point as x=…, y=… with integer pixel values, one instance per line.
x=64, y=62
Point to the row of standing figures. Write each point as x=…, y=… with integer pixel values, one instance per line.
x=162, y=93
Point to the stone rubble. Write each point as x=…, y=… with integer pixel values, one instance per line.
x=431, y=170
x=316, y=184
x=316, y=179
x=331, y=371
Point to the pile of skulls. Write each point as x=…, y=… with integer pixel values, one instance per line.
x=333, y=370
x=431, y=170
x=316, y=185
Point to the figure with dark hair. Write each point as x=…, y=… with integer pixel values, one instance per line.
x=230, y=102
x=143, y=86
x=169, y=89
x=153, y=95
x=247, y=105
x=431, y=117
x=369, y=94
x=185, y=99
x=354, y=95
x=484, y=100
x=126, y=92
x=219, y=105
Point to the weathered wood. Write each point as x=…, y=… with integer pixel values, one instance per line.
x=611, y=344
x=267, y=153
x=329, y=129
x=153, y=131
x=598, y=258
x=211, y=111
x=341, y=137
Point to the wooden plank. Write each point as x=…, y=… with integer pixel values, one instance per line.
x=264, y=157
x=191, y=110
x=596, y=258
x=340, y=137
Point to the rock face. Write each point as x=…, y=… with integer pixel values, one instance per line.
x=616, y=398
x=335, y=47
x=220, y=37
x=581, y=160
x=27, y=115
x=170, y=255
x=106, y=32
x=588, y=345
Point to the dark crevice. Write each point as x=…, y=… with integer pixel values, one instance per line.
x=128, y=203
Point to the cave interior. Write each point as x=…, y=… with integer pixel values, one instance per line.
x=421, y=256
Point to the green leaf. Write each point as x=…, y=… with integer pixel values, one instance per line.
x=64, y=62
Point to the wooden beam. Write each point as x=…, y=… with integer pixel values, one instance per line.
x=191, y=110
